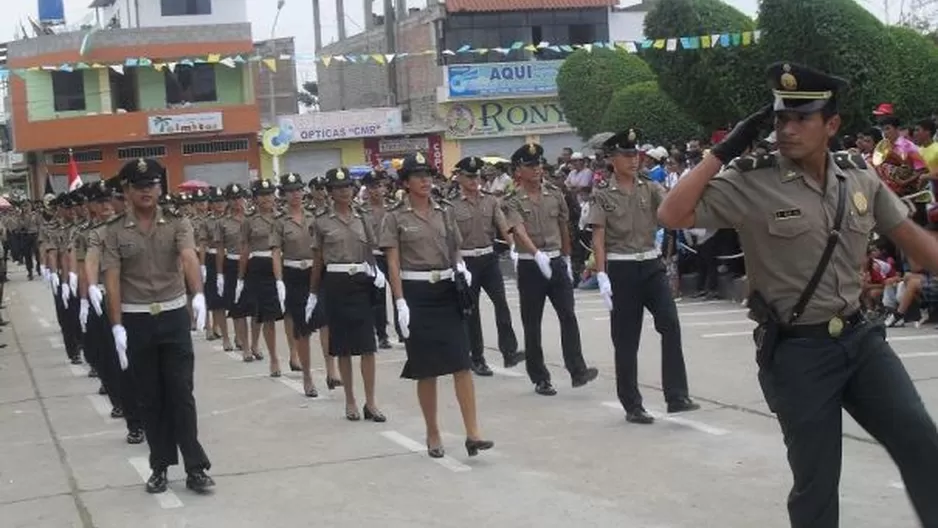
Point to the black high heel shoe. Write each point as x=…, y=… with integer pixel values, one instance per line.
x=373, y=415
x=474, y=446
x=332, y=383
x=436, y=452
x=295, y=367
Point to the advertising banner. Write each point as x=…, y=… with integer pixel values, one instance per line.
x=346, y=124
x=501, y=79
x=378, y=150
x=161, y=125
x=509, y=117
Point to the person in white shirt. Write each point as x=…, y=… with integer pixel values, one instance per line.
x=580, y=177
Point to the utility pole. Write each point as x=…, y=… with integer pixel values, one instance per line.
x=317, y=28
x=390, y=26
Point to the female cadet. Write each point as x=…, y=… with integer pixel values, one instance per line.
x=420, y=242
x=291, y=243
x=343, y=240
x=205, y=239
x=319, y=201
x=228, y=247
x=256, y=273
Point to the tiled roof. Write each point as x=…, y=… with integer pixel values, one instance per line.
x=456, y=6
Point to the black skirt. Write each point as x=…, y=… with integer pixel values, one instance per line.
x=351, y=317
x=240, y=309
x=297, y=283
x=260, y=289
x=439, y=340
x=213, y=301
x=318, y=319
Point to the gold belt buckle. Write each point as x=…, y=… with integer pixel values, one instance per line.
x=156, y=308
x=835, y=326
x=434, y=277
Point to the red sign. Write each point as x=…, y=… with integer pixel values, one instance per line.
x=379, y=149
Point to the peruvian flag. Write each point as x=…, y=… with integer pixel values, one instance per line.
x=74, y=179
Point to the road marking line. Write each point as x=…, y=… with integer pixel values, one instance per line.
x=680, y=314
x=918, y=355
x=506, y=372
x=912, y=337
x=43, y=323
x=168, y=499
x=692, y=424
x=415, y=447
x=718, y=323
x=234, y=355
x=33, y=309
x=727, y=334
x=102, y=406
x=78, y=371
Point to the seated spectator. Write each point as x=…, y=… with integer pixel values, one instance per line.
x=918, y=285
x=879, y=275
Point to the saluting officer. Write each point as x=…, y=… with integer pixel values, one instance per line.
x=147, y=252
x=537, y=216
x=804, y=216
x=479, y=218
x=624, y=216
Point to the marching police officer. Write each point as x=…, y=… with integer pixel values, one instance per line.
x=804, y=216
x=624, y=216
x=147, y=254
x=478, y=217
x=537, y=214
x=376, y=206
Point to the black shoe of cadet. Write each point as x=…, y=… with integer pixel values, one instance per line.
x=199, y=482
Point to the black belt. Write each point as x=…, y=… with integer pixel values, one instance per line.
x=835, y=327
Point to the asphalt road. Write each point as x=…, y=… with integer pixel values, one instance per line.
x=571, y=460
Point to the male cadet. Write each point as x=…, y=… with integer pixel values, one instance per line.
x=804, y=217
x=30, y=223
x=61, y=277
x=537, y=217
x=377, y=205
x=146, y=254
x=624, y=217
x=478, y=217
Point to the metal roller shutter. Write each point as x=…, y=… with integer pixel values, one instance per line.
x=218, y=174
x=309, y=163
x=501, y=147
x=555, y=143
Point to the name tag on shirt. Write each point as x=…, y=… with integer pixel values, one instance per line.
x=787, y=214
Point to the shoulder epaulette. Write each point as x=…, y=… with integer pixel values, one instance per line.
x=114, y=218
x=847, y=160
x=550, y=186
x=395, y=205
x=751, y=163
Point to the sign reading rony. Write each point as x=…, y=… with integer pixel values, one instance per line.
x=505, y=118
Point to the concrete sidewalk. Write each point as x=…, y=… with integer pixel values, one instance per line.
x=284, y=460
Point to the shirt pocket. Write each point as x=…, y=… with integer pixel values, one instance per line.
x=788, y=229
x=129, y=249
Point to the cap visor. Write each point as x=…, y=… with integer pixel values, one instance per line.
x=143, y=184
x=799, y=106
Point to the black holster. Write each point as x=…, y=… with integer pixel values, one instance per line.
x=766, y=334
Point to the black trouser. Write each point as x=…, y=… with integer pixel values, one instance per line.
x=159, y=348
x=708, y=265
x=68, y=323
x=533, y=289
x=117, y=382
x=31, y=252
x=380, y=305
x=487, y=275
x=16, y=244
x=809, y=381
x=636, y=286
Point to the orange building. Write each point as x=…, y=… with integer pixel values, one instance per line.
x=182, y=95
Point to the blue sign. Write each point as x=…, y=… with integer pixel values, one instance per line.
x=496, y=79
x=51, y=12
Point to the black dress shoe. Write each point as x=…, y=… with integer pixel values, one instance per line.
x=481, y=368
x=544, y=388
x=92, y=373
x=514, y=358
x=474, y=446
x=157, y=482
x=135, y=437
x=199, y=482
x=76, y=360
x=682, y=405
x=585, y=377
x=639, y=416
x=384, y=343
x=102, y=391
x=117, y=412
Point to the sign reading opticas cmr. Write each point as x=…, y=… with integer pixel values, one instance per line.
x=346, y=124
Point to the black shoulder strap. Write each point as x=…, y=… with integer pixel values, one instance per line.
x=832, y=240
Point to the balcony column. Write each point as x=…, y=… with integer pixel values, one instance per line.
x=104, y=81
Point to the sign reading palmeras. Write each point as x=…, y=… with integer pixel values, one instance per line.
x=507, y=117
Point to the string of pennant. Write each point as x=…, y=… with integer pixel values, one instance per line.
x=673, y=44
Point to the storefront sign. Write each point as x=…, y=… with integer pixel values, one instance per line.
x=346, y=124
x=502, y=79
x=505, y=118
x=378, y=150
x=161, y=125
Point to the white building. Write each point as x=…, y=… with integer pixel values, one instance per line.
x=627, y=20
x=162, y=13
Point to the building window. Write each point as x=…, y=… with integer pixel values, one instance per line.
x=191, y=84
x=213, y=147
x=155, y=151
x=186, y=7
x=582, y=34
x=81, y=156
x=68, y=90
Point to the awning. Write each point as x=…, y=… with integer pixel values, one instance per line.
x=101, y=3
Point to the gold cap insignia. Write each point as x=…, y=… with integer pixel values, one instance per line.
x=859, y=201
x=265, y=184
x=339, y=174
x=419, y=158
x=532, y=149
x=632, y=135
x=787, y=80
x=219, y=191
x=141, y=166
x=472, y=163
x=235, y=189
x=291, y=178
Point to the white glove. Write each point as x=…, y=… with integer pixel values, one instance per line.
x=403, y=317
x=44, y=273
x=461, y=268
x=220, y=284
x=66, y=293
x=514, y=258
x=311, y=305
x=73, y=282
x=54, y=281
x=120, y=343
x=282, y=295
x=543, y=263
x=95, y=297
x=569, y=268
x=380, y=280
x=198, y=309
x=83, y=315
x=203, y=271
x=605, y=289
x=239, y=287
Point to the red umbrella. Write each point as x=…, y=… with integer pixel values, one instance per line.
x=192, y=185
x=4, y=203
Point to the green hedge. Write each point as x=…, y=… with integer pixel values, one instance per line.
x=587, y=79
x=915, y=62
x=646, y=108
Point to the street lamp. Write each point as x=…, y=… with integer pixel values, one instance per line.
x=270, y=81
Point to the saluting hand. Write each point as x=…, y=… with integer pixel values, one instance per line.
x=742, y=136
x=403, y=317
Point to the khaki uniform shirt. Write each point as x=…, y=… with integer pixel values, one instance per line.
x=205, y=231
x=542, y=218
x=421, y=243
x=256, y=230
x=343, y=240
x=784, y=218
x=629, y=217
x=478, y=219
x=294, y=240
x=96, y=242
x=149, y=263
x=32, y=222
x=227, y=234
